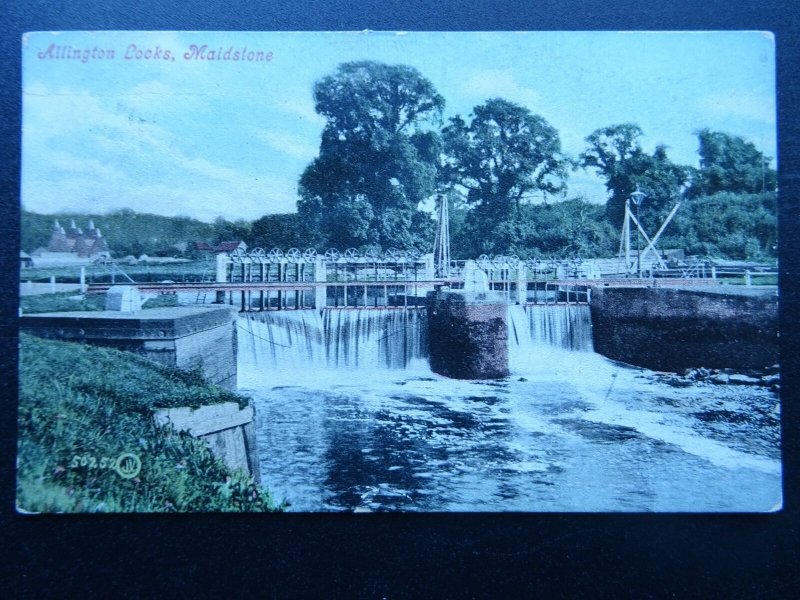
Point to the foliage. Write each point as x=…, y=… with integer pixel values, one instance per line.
x=572, y=228
x=375, y=165
x=141, y=273
x=726, y=225
x=282, y=231
x=616, y=154
x=568, y=228
x=381, y=158
x=130, y=233
x=161, y=301
x=500, y=158
x=730, y=164
x=79, y=401
x=71, y=301
x=230, y=231
x=61, y=302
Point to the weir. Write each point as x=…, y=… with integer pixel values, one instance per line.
x=567, y=326
x=291, y=343
x=334, y=338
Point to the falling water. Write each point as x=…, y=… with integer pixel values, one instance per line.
x=567, y=326
x=349, y=416
x=293, y=342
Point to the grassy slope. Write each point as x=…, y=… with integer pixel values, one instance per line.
x=79, y=402
x=62, y=302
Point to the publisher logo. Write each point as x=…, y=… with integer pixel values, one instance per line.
x=128, y=465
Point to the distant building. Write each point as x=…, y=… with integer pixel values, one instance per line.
x=204, y=248
x=230, y=246
x=72, y=246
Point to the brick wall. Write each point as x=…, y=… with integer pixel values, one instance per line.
x=467, y=340
x=675, y=329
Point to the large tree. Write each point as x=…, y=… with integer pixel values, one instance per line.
x=616, y=153
x=377, y=162
x=572, y=228
x=500, y=159
x=731, y=164
x=277, y=230
x=727, y=225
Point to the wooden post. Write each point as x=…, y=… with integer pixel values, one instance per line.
x=222, y=268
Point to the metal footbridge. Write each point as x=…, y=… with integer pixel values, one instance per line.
x=295, y=280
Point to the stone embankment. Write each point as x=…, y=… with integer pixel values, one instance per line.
x=674, y=329
x=186, y=337
x=768, y=378
x=467, y=336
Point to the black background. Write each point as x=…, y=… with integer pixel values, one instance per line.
x=400, y=555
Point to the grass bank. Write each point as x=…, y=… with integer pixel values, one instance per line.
x=181, y=272
x=72, y=301
x=81, y=407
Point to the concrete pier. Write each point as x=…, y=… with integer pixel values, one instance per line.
x=672, y=329
x=468, y=337
x=228, y=430
x=186, y=337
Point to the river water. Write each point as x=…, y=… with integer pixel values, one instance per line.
x=350, y=417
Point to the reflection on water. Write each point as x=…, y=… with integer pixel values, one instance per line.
x=350, y=418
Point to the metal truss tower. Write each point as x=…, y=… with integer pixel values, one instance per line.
x=441, y=246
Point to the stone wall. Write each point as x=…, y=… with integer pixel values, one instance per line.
x=670, y=329
x=228, y=430
x=186, y=337
x=467, y=339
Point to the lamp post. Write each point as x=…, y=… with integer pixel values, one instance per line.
x=637, y=197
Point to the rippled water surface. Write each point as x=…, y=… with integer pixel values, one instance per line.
x=350, y=417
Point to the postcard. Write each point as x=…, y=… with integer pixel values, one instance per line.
x=399, y=271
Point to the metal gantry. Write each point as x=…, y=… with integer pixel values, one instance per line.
x=441, y=245
x=372, y=278
x=631, y=266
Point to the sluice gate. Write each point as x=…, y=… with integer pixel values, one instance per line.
x=260, y=281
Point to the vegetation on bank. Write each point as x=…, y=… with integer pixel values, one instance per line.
x=195, y=270
x=70, y=301
x=61, y=302
x=81, y=407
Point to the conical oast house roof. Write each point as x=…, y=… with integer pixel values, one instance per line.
x=58, y=240
x=83, y=246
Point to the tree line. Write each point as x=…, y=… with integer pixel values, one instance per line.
x=387, y=156
x=132, y=233
x=385, y=152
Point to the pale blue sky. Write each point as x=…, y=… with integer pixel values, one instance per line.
x=217, y=138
